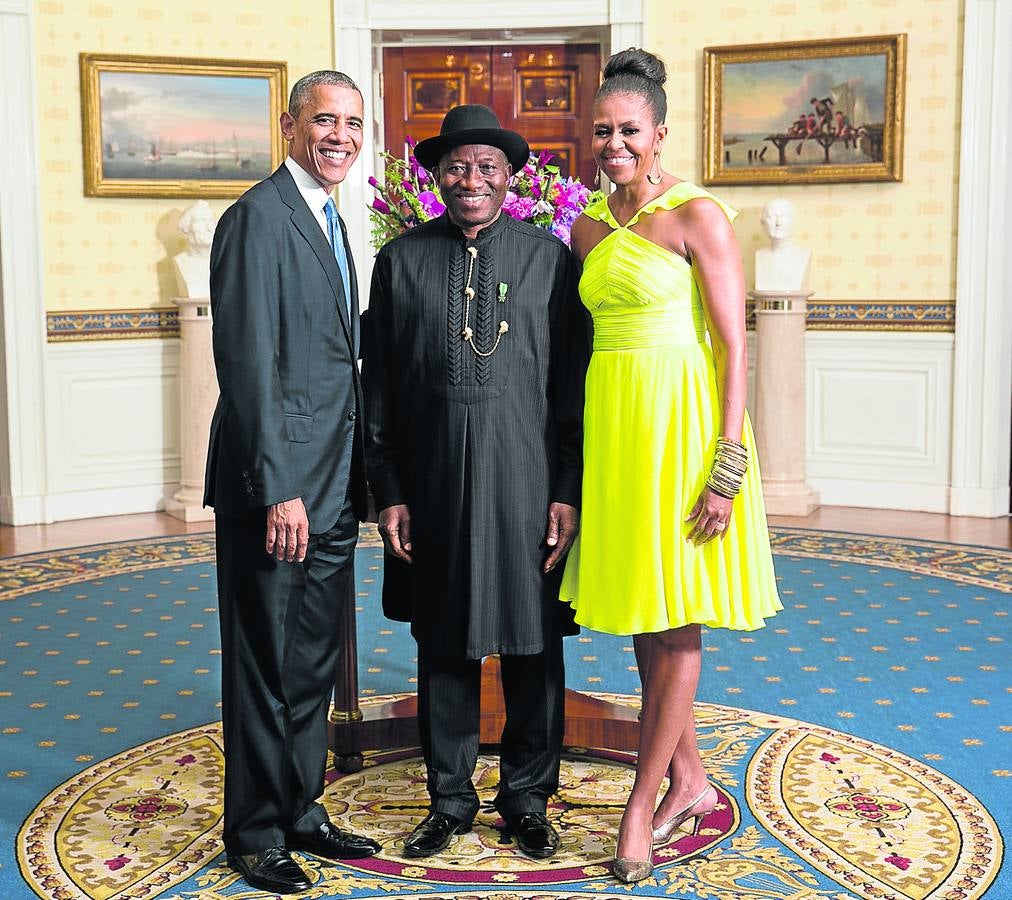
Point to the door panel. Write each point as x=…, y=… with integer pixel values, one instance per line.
x=543, y=92
x=546, y=93
x=420, y=84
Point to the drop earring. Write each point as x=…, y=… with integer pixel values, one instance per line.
x=597, y=177
x=655, y=179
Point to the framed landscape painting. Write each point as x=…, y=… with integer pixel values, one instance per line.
x=163, y=127
x=804, y=112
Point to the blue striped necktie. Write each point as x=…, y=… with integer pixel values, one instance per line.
x=337, y=244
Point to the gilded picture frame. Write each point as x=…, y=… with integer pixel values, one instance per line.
x=804, y=112
x=156, y=126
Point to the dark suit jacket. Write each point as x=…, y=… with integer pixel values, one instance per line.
x=288, y=421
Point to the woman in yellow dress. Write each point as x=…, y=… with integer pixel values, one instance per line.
x=673, y=534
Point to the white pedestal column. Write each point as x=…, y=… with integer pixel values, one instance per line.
x=780, y=401
x=198, y=393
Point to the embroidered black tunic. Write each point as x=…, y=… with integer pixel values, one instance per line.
x=477, y=447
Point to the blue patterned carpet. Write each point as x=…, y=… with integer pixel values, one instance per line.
x=895, y=650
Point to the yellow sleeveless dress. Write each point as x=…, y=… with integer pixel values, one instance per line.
x=651, y=422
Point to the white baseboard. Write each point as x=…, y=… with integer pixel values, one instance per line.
x=981, y=502
x=108, y=502
x=913, y=496
x=23, y=510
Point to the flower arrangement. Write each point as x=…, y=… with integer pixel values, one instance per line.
x=408, y=196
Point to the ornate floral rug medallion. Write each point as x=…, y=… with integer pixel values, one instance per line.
x=803, y=812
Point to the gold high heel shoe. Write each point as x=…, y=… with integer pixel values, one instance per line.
x=628, y=870
x=664, y=831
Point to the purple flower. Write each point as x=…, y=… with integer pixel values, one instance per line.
x=380, y=207
x=408, y=186
x=422, y=175
x=571, y=194
x=544, y=156
x=430, y=203
x=373, y=182
x=562, y=231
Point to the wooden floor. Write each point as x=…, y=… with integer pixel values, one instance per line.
x=925, y=526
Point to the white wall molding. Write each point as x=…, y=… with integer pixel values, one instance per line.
x=878, y=417
x=22, y=319
x=982, y=372
x=113, y=424
x=357, y=28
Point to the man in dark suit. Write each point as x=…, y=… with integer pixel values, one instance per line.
x=285, y=474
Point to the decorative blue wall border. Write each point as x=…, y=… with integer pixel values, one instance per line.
x=110, y=324
x=875, y=315
x=823, y=315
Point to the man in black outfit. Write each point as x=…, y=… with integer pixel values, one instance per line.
x=286, y=477
x=473, y=375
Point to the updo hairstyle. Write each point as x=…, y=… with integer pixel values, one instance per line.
x=636, y=71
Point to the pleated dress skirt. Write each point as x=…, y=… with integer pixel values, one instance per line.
x=650, y=431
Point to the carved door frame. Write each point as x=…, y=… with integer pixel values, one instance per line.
x=359, y=29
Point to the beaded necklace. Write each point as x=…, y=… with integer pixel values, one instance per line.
x=468, y=334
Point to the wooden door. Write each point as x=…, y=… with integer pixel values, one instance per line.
x=544, y=92
x=421, y=83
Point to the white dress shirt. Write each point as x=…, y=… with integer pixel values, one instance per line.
x=316, y=197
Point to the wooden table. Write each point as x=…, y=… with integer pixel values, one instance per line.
x=590, y=722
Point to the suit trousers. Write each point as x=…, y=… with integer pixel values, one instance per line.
x=279, y=642
x=449, y=716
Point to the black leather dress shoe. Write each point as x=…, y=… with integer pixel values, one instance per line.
x=535, y=835
x=272, y=870
x=331, y=842
x=433, y=834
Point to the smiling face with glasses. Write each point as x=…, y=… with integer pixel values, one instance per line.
x=472, y=183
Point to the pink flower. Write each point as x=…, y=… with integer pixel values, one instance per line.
x=519, y=207
x=117, y=862
x=828, y=757
x=373, y=182
x=901, y=862
x=381, y=207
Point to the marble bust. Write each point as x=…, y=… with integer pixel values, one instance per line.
x=193, y=265
x=784, y=265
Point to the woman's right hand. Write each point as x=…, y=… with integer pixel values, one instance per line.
x=710, y=517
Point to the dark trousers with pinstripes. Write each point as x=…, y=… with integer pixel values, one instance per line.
x=449, y=692
x=279, y=641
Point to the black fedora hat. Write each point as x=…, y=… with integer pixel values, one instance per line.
x=472, y=124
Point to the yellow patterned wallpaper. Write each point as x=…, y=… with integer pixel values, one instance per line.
x=108, y=253
x=880, y=241
x=871, y=242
